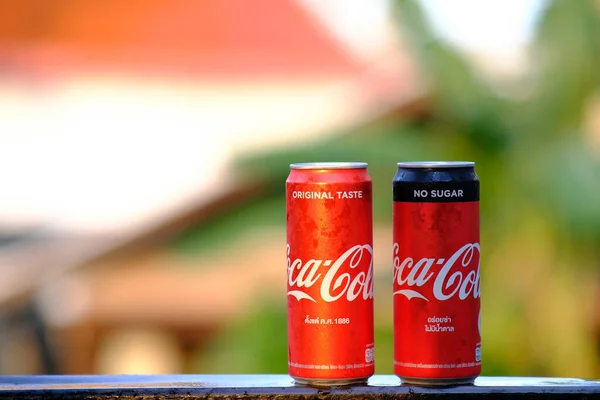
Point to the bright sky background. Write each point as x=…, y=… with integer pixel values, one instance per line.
x=485, y=26
x=494, y=32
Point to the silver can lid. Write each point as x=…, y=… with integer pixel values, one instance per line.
x=436, y=164
x=329, y=165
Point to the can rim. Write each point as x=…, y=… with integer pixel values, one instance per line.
x=436, y=164
x=329, y=165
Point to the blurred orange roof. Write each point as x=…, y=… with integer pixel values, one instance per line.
x=215, y=38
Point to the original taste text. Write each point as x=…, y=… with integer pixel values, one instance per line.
x=349, y=194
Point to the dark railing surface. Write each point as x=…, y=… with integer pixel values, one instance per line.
x=280, y=387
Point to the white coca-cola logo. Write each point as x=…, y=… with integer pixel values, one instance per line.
x=450, y=280
x=336, y=282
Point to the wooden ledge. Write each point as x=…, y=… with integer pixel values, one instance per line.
x=280, y=387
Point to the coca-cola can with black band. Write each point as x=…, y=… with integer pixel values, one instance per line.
x=436, y=257
x=330, y=273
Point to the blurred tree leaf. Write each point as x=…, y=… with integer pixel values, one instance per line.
x=567, y=52
x=459, y=96
x=567, y=182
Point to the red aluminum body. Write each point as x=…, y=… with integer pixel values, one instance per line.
x=330, y=273
x=437, y=339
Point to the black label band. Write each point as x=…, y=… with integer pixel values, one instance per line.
x=436, y=192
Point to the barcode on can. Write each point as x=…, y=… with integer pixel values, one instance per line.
x=369, y=355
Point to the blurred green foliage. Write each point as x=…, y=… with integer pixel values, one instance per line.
x=216, y=234
x=256, y=344
x=540, y=182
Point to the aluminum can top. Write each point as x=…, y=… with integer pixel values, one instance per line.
x=436, y=164
x=329, y=165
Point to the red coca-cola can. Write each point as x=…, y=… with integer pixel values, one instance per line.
x=330, y=273
x=436, y=253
